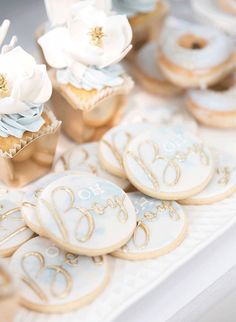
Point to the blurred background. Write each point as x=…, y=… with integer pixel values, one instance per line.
x=26, y=16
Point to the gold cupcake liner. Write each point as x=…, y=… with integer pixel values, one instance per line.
x=32, y=157
x=87, y=115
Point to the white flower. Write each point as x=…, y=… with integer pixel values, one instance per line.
x=58, y=11
x=91, y=38
x=23, y=83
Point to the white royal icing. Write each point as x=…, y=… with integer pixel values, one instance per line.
x=214, y=100
x=85, y=158
x=168, y=163
x=167, y=113
x=223, y=182
x=217, y=51
x=114, y=143
x=13, y=230
x=29, y=201
x=86, y=214
x=160, y=226
x=53, y=277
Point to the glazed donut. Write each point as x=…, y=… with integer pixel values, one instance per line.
x=149, y=75
x=215, y=107
x=219, y=13
x=196, y=56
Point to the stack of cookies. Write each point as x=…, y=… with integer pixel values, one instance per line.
x=120, y=196
x=195, y=61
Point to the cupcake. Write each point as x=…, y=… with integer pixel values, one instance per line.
x=28, y=130
x=90, y=87
x=145, y=17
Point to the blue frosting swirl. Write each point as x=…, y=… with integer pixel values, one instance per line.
x=16, y=124
x=93, y=78
x=130, y=8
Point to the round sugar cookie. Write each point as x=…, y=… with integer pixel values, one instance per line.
x=221, y=186
x=162, y=114
x=114, y=143
x=13, y=229
x=85, y=158
x=161, y=227
x=29, y=201
x=168, y=163
x=86, y=215
x=53, y=280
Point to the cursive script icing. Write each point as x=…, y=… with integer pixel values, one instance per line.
x=13, y=214
x=115, y=149
x=85, y=214
x=172, y=164
x=59, y=272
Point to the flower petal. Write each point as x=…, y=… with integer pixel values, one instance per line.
x=104, y=5
x=114, y=60
x=34, y=90
x=53, y=45
x=9, y=105
x=58, y=11
x=17, y=63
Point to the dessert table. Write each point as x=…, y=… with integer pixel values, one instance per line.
x=196, y=281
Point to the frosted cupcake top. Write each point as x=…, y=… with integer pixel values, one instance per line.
x=86, y=47
x=133, y=7
x=24, y=88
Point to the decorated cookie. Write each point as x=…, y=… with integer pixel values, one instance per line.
x=221, y=186
x=53, y=280
x=86, y=215
x=161, y=227
x=162, y=114
x=84, y=158
x=13, y=230
x=29, y=202
x=168, y=163
x=114, y=143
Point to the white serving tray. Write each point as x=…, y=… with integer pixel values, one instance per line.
x=130, y=281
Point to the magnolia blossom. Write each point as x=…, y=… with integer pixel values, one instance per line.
x=58, y=11
x=23, y=83
x=91, y=38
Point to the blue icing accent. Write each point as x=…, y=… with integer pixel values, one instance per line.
x=93, y=78
x=16, y=124
x=130, y=8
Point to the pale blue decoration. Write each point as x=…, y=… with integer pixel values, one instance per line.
x=130, y=8
x=93, y=78
x=16, y=124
